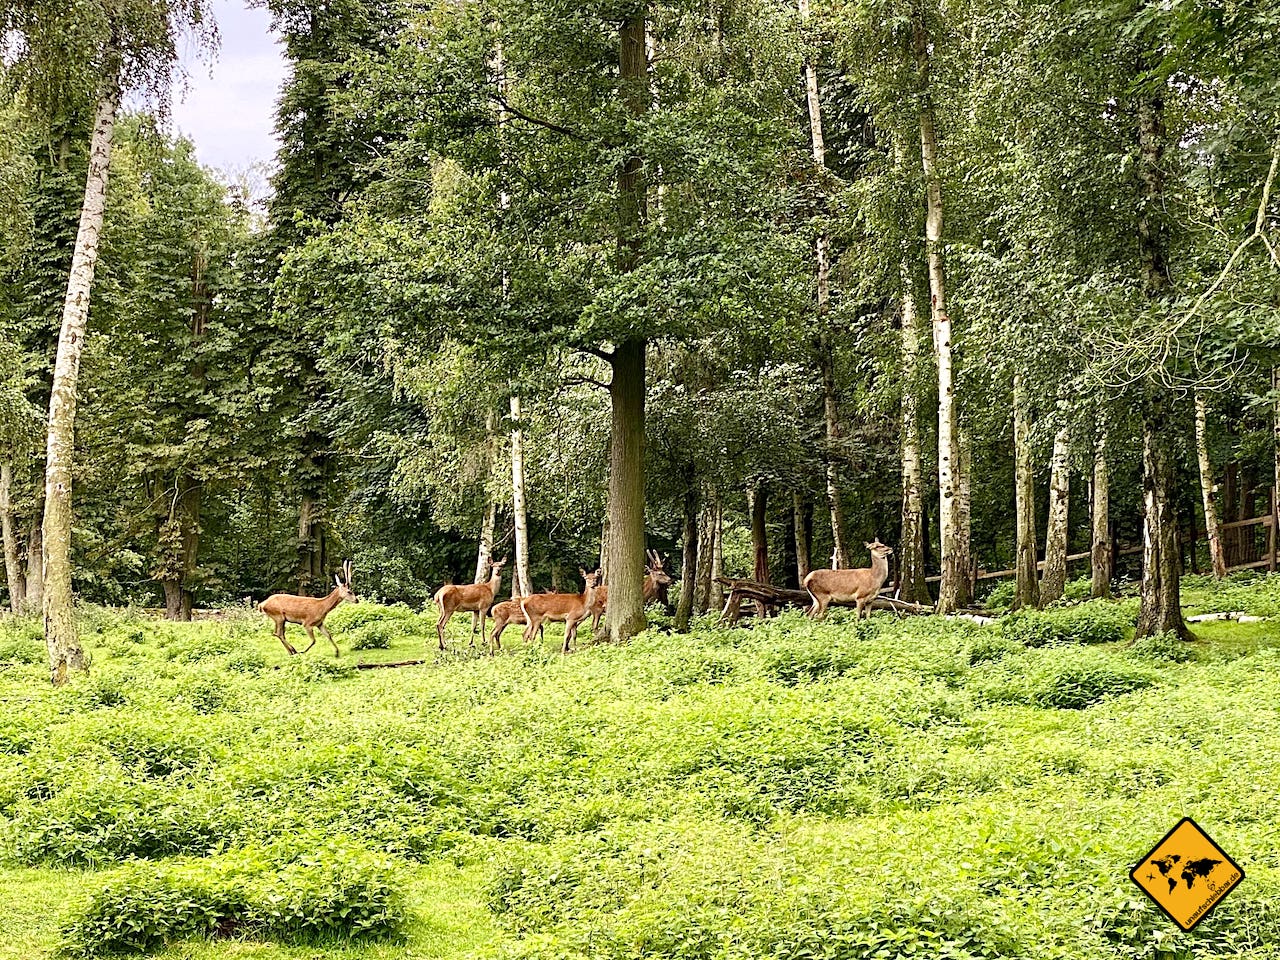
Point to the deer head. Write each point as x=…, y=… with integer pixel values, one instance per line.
x=878, y=550
x=655, y=569
x=344, y=588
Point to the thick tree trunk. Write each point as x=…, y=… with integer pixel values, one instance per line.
x=913, y=587
x=954, y=590
x=35, y=562
x=8, y=529
x=1212, y=527
x=1161, y=601
x=1053, y=582
x=1027, y=581
x=521, y=520
x=65, y=653
x=1101, y=555
x=689, y=561
x=625, y=611
x=758, y=502
x=1160, y=610
x=489, y=522
x=802, y=525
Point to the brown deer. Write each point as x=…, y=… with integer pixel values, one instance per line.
x=473, y=598
x=309, y=612
x=505, y=613
x=655, y=579
x=860, y=586
x=569, y=608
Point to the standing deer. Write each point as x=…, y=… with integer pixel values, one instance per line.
x=505, y=613
x=310, y=612
x=860, y=586
x=569, y=608
x=473, y=598
x=655, y=579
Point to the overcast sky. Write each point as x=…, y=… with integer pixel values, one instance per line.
x=228, y=108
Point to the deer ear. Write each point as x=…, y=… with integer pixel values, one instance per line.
x=337, y=579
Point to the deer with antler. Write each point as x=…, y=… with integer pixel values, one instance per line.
x=568, y=608
x=473, y=598
x=309, y=612
x=655, y=578
x=850, y=586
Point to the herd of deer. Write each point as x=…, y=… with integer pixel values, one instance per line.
x=859, y=587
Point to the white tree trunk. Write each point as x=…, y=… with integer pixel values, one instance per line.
x=9, y=530
x=521, y=578
x=1212, y=527
x=1100, y=496
x=717, y=553
x=953, y=591
x=1054, y=581
x=1027, y=579
x=65, y=653
x=484, y=553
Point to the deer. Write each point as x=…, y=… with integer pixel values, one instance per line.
x=505, y=613
x=309, y=612
x=860, y=586
x=655, y=579
x=473, y=598
x=569, y=608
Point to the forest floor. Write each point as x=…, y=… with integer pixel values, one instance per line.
x=903, y=787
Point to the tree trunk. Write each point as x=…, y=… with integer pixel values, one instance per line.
x=484, y=551
x=522, y=580
x=35, y=562
x=1161, y=601
x=1027, y=581
x=831, y=416
x=1054, y=581
x=706, y=531
x=1212, y=528
x=689, y=562
x=802, y=524
x=604, y=547
x=65, y=653
x=625, y=611
x=717, y=557
x=953, y=591
x=913, y=587
x=758, y=502
x=1101, y=556
x=8, y=529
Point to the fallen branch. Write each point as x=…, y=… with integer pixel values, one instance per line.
x=380, y=666
x=741, y=591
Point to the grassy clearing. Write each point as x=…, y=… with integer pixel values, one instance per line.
x=894, y=788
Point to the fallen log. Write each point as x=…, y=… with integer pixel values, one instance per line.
x=741, y=591
x=380, y=666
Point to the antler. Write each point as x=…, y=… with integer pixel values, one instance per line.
x=346, y=571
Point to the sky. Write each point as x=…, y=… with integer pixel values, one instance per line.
x=228, y=105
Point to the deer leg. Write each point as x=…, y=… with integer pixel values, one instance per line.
x=280, y=635
x=444, y=617
x=325, y=630
x=595, y=625
x=312, y=634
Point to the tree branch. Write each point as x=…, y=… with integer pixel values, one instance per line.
x=519, y=114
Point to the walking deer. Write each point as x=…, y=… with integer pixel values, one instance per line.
x=309, y=612
x=569, y=608
x=859, y=586
x=473, y=598
x=655, y=578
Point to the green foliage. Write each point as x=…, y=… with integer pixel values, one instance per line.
x=1098, y=621
x=1167, y=647
x=331, y=893
x=21, y=641
x=1063, y=677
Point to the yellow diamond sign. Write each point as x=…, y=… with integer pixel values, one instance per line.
x=1186, y=874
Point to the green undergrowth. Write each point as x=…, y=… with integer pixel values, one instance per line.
x=889, y=788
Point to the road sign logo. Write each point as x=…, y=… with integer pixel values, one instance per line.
x=1186, y=874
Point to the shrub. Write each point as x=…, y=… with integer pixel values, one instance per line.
x=1098, y=621
x=1062, y=677
x=991, y=646
x=805, y=659
x=376, y=635
x=349, y=616
x=21, y=641
x=318, y=669
x=1167, y=647
x=334, y=893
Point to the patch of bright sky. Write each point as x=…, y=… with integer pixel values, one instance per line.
x=226, y=104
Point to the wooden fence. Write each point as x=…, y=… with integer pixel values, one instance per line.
x=1251, y=544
